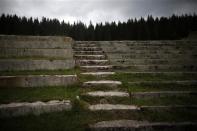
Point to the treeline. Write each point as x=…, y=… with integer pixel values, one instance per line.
x=174, y=27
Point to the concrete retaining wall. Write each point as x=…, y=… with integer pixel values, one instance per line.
x=18, y=52
x=35, y=53
x=21, y=64
x=152, y=55
x=37, y=80
x=11, y=41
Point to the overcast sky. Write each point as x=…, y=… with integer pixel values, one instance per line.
x=96, y=10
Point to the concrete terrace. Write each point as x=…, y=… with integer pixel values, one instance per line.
x=56, y=83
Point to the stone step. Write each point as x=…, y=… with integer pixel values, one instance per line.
x=140, y=95
x=99, y=107
x=94, y=57
x=133, y=125
x=89, y=52
x=107, y=94
x=108, y=83
x=96, y=68
x=37, y=80
x=85, y=45
x=98, y=74
x=87, y=48
x=36, y=108
x=92, y=62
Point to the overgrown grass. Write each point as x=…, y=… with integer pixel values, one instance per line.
x=129, y=77
x=170, y=100
x=79, y=118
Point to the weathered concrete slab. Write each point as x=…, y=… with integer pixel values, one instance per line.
x=28, y=64
x=108, y=83
x=37, y=80
x=36, y=108
x=151, y=55
x=22, y=52
x=11, y=41
x=108, y=94
x=133, y=125
x=107, y=107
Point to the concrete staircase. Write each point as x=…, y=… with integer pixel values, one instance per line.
x=110, y=96
x=92, y=60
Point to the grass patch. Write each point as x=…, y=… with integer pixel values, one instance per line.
x=172, y=100
x=152, y=77
x=127, y=77
x=8, y=95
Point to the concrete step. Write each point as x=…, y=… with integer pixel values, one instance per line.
x=37, y=80
x=96, y=68
x=94, y=57
x=133, y=125
x=85, y=45
x=98, y=74
x=89, y=52
x=107, y=83
x=87, y=48
x=107, y=94
x=141, y=94
x=92, y=62
x=36, y=108
x=99, y=107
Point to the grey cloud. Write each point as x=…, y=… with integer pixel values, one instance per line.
x=96, y=10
